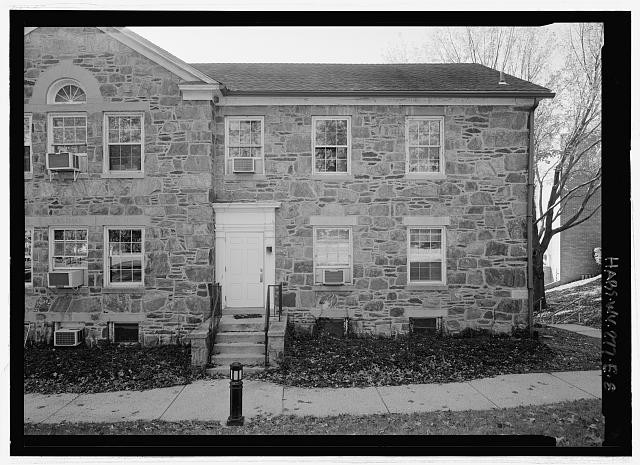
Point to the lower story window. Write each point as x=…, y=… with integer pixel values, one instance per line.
x=125, y=332
x=332, y=255
x=28, y=252
x=125, y=256
x=426, y=255
x=69, y=248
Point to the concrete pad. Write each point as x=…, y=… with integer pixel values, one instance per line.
x=590, y=381
x=38, y=407
x=330, y=402
x=208, y=400
x=580, y=329
x=527, y=389
x=431, y=397
x=117, y=406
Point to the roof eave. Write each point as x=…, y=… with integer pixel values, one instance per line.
x=386, y=93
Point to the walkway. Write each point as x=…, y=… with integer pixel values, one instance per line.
x=209, y=399
x=580, y=329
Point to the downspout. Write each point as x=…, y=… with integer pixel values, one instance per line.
x=530, y=204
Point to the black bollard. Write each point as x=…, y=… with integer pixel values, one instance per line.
x=235, y=395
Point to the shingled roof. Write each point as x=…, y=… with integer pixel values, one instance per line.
x=390, y=79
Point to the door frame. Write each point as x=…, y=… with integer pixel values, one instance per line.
x=257, y=217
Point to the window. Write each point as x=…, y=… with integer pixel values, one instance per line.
x=125, y=256
x=244, y=139
x=28, y=254
x=68, y=132
x=424, y=136
x=331, y=144
x=426, y=255
x=124, y=136
x=125, y=332
x=68, y=248
x=27, y=144
x=66, y=91
x=332, y=252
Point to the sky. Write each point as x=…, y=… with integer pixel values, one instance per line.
x=286, y=44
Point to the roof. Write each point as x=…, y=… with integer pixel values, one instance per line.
x=440, y=79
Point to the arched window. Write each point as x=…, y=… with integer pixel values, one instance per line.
x=66, y=91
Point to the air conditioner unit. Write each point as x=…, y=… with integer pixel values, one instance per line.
x=335, y=277
x=243, y=165
x=67, y=337
x=64, y=162
x=66, y=278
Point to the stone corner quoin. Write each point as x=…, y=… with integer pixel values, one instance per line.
x=483, y=193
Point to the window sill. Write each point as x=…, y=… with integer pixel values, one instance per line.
x=125, y=175
x=343, y=288
x=332, y=177
x=122, y=290
x=251, y=177
x=425, y=176
x=426, y=287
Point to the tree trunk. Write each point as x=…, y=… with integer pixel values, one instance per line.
x=538, y=278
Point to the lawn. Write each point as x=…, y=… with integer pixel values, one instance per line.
x=108, y=367
x=577, y=423
x=579, y=303
x=325, y=361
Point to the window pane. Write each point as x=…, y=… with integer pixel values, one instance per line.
x=27, y=158
x=341, y=132
x=434, y=132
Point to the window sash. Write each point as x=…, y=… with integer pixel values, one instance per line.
x=28, y=128
x=124, y=265
x=70, y=93
x=333, y=251
x=331, y=156
x=426, y=255
x=64, y=243
x=237, y=144
x=420, y=156
x=28, y=256
x=120, y=154
x=67, y=132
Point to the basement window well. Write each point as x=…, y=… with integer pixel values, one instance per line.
x=125, y=332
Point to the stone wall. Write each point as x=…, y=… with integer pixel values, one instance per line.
x=483, y=193
x=172, y=199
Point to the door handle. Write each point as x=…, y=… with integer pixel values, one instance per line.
x=261, y=274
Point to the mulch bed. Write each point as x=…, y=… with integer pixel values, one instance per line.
x=326, y=361
x=108, y=367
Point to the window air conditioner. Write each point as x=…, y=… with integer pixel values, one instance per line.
x=66, y=278
x=334, y=277
x=67, y=337
x=63, y=161
x=243, y=165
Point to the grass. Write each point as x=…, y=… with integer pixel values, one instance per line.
x=325, y=361
x=577, y=423
x=579, y=304
x=107, y=367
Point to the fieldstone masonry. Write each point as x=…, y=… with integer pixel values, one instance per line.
x=483, y=193
x=171, y=201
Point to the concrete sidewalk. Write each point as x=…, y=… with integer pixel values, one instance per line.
x=580, y=329
x=209, y=399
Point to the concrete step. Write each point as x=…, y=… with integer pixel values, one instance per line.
x=224, y=370
x=229, y=324
x=239, y=348
x=246, y=359
x=241, y=336
x=243, y=311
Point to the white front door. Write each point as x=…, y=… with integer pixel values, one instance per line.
x=244, y=274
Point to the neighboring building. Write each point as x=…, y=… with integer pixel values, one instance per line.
x=379, y=192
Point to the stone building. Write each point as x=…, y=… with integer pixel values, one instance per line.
x=386, y=194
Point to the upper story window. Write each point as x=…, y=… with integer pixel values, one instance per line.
x=124, y=142
x=67, y=132
x=28, y=168
x=69, y=248
x=28, y=253
x=424, y=145
x=426, y=255
x=244, y=147
x=331, y=144
x=66, y=91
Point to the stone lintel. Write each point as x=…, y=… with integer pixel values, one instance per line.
x=426, y=220
x=87, y=220
x=333, y=220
